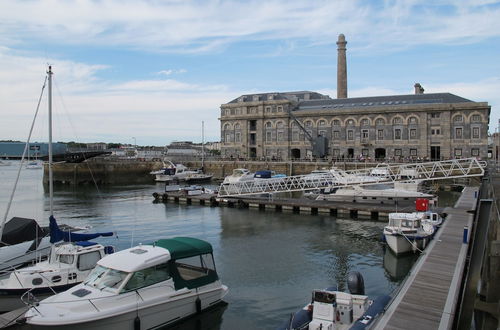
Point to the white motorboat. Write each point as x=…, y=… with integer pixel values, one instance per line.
x=239, y=175
x=143, y=287
x=332, y=309
x=34, y=164
x=407, y=232
x=4, y=163
x=379, y=193
x=178, y=172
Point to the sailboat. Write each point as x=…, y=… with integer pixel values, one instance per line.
x=22, y=240
x=69, y=264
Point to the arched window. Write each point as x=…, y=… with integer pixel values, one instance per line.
x=413, y=120
x=380, y=121
x=237, y=126
x=458, y=119
x=397, y=121
x=280, y=124
x=322, y=122
x=336, y=122
x=227, y=127
x=308, y=123
x=350, y=122
x=476, y=118
x=269, y=125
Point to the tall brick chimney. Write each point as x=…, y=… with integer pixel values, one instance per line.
x=341, y=68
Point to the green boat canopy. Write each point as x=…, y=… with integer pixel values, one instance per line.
x=184, y=247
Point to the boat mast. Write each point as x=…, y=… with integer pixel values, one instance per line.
x=202, y=144
x=51, y=185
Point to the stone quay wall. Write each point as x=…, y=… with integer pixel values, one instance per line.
x=132, y=171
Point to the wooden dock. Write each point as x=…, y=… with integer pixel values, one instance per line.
x=353, y=210
x=428, y=297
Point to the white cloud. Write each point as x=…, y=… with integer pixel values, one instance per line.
x=89, y=109
x=205, y=26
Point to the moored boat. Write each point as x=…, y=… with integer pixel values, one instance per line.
x=143, y=287
x=332, y=309
x=407, y=232
x=239, y=175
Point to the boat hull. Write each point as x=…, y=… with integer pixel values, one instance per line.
x=147, y=316
x=10, y=299
x=400, y=244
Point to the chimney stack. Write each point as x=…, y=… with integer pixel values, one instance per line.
x=341, y=68
x=418, y=89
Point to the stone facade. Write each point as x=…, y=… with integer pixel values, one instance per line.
x=400, y=127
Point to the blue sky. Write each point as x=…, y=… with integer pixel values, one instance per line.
x=154, y=70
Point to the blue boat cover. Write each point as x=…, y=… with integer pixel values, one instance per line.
x=57, y=234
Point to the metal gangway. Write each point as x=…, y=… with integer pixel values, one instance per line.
x=383, y=173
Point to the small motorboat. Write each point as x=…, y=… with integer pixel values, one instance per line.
x=239, y=175
x=68, y=264
x=407, y=232
x=331, y=309
x=143, y=287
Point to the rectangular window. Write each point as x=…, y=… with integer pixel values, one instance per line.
x=336, y=152
x=269, y=136
x=228, y=137
x=380, y=134
x=280, y=108
x=397, y=134
x=237, y=137
x=458, y=133
x=322, y=133
x=350, y=134
x=364, y=152
x=458, y=152
x=336, y=134
x=364, y=134
x=397, y=152
x=476, y=118
x=475, y=132
x=435, y=115
x=280, y=136
x=295, y=136
x=268, y=109
x=474, y=152
x=413, y=152
x=413, y=133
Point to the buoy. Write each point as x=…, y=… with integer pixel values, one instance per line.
x=137, y=323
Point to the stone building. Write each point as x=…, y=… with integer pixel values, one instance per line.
x=287, y=125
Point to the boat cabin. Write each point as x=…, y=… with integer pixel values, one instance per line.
x=187, y=262
x=410, y=221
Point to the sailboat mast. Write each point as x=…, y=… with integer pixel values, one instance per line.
x=51, y=185
x=202, y=144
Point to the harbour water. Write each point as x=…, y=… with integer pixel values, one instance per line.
x=270, y=261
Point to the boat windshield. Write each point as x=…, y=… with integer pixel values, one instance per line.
x=66, y=258
x=106, y=278
x=239, y=172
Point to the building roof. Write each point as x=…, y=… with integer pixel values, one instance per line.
x=291, y=96
x=377, y=101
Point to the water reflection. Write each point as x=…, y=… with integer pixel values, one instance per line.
x=210, y=319
x=397, y=267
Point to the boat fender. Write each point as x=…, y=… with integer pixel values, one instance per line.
x=356, y=283
x=198, y=305
x=137, y=323
x=155, y=195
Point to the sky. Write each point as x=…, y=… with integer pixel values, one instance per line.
x=150, y=72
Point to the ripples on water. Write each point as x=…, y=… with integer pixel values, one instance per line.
x=270, y=261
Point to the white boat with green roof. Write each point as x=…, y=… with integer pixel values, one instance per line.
x=143, y=287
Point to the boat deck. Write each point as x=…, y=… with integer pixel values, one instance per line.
x=429, y=295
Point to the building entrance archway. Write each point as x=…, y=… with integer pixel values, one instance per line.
x=295, y=153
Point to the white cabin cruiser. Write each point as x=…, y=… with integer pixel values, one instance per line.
x=143, y=287
x=69, y=264
x=331, y=309
x=179, y=172
x=239, y=175
x=407, y=232
x=378, y=193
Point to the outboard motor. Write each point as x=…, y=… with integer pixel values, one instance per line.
x=356, y=283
